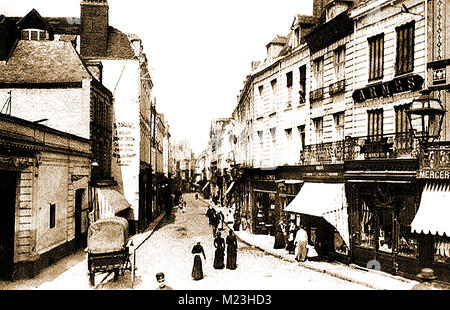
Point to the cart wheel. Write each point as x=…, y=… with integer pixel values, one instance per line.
x=91, y=279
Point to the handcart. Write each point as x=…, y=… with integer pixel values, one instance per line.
x=108, y=248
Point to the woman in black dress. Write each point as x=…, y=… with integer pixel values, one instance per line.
x=231, y=250
x=197, y=270
x=219, y=244
x=279, y=236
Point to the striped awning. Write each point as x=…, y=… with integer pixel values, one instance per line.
x=229, y=188
x=111, y=202
x=325, y=200
x=433, y=216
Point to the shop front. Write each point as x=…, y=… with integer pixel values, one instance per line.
x=432, y=227
x=381, y=214
x=322, y=209
x=264, y=191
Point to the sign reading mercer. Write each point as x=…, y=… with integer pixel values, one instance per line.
x=433, y=174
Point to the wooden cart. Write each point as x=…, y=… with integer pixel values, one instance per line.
x=108, y=248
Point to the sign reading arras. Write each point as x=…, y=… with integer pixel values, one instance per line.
x=387, y=89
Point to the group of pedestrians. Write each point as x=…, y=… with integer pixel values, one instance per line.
x=219, y=255
x=294, y=240
x=216, y=220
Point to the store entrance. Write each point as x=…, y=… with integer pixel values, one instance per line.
x=8, y=185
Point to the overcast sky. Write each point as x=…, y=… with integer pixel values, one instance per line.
x=199, y=51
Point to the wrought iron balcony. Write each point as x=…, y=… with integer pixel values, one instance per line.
x=323, y=153
x=388, y=146
x=336, y=88
x=316, y=94
x=437, y=156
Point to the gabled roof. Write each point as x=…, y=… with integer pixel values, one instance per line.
x=304, y=20
x=43, y=62
x=34, y=20
x=279, y=40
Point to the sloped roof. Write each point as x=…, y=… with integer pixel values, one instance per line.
x=280, y=40
x=119, y=46
x=43, y=62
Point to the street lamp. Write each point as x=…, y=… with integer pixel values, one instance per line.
x=426, y=115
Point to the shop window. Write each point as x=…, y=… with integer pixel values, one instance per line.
x=408, y=244
x=441, y=249
x=385, y=236
x=367, y=223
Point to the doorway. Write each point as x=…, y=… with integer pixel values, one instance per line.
x=8, y=186
x=79, y=242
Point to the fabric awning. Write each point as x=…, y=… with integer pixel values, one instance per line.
x=229, y=188
x=207, y=183
x=433, y=216
x=111, y=202
x=325, y=200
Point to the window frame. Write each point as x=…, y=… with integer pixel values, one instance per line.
x=375, y=124
x=339, y=63
x=318, y=68
x=404, y=49
x=376, y=62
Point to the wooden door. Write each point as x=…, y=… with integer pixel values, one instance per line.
x=8, y=185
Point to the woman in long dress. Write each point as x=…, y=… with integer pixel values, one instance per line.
x=219, y=255
x=231, y=250
x=197, y=269
x=279, y=236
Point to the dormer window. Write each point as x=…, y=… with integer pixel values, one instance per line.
x=34, y=34
x=297, y=36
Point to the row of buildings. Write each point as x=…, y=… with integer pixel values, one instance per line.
x=80, y=135
x=344, y=127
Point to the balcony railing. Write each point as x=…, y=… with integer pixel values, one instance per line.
x=336, y=88
x=323, y=153
x=316, y=94
x=437, y=157
x=389, y=146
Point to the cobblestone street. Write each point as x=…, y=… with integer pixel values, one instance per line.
x=169, y=250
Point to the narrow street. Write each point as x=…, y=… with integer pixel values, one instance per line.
x=169, y=250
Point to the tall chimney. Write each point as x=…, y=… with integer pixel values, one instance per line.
x=318, y=7
x=94, y=28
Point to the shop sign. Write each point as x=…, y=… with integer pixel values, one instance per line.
x=376, y=149
x=388, y=89
x=433, y=174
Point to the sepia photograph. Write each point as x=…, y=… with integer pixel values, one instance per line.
x=228, y=151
